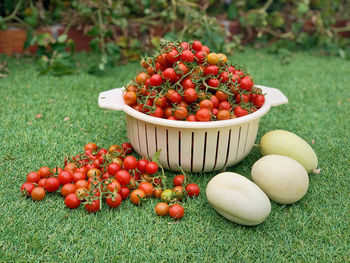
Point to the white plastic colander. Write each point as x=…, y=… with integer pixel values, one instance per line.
x=194, y=146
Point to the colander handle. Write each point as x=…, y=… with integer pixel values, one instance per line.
x=275, y=96
x=112, y=99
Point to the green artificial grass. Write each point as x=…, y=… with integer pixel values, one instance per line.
x=316, y=229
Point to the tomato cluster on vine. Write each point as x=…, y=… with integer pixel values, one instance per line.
x=185, y=81
x=111, y=175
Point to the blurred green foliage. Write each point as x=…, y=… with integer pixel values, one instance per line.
x=123, y=30
x=292, y=24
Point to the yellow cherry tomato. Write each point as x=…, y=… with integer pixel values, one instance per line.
x=213, y=58
x=222, y=57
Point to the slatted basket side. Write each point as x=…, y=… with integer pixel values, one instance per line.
x=193, y=150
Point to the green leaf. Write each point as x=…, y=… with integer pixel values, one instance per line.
x=94, y=45
x=9, y=5
x=71, y=45
x=101, y=66
x=122, y=42
x=31, y=20
x=171, y=36
x=112, y=49
x=62, y=38
x=232, y=11
x=45, y=39
x=93, y=32
x=155, y=42
x=135, y=43
x=30, y=39
x=302, y=9
x=342, y=53
x=2, y=24
x=156, y=156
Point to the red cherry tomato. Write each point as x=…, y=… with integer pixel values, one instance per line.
x=156, y=80
x=141, y=165
x=90, y=146
x=179, y=180
x=187, y=56
x=33, y=177
x=136, y=196
x=65, y=177
x=82, y=170
x=206, y=49
x=41, y=182
x=52, y=184
x=147, y=188
x=239, y=111
x=127, y=148
x=225, y=105
x=169, y=74
x=123, y=177
x=78, y=176
x=113, y=168
x=175, y=98
x=192, y=189
x=259, y=100
x=246, y=83
x=67, y=189
x=200, y=56
x=173, y=56
x=191, y=118
x=187, y=83
x=114, y=186
x=130, y=163
x=190, y=95
x=114, y=200
x=184, y=45
x=102, y=152
x=176, y=211
x=72, y=201
x=26, y=188
x=203, y=115
x=44, y=172
x=152, y=168
x=197, y=45
x=94, y=206
x=38, y=194
x=124, y=192
x=211, y=70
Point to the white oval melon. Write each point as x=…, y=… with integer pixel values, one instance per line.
x=283, y=179
x=238, y=199
x=280, y=142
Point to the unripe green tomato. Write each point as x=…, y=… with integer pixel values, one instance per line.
x=167, y=195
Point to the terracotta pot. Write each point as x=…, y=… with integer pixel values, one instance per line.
x=343, y=23
x=81, y=40
x=12, y=41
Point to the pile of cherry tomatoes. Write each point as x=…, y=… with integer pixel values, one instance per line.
x=184, y=81
x=112, y=175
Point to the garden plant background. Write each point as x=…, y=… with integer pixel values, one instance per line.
x=49, y=110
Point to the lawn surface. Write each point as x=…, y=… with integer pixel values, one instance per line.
x=316, y=229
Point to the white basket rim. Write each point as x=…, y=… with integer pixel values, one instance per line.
x=200, y=125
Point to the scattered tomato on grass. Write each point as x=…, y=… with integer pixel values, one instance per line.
x=162, y=209
x=176, y=211
x=109, y=181
x=38, y=193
